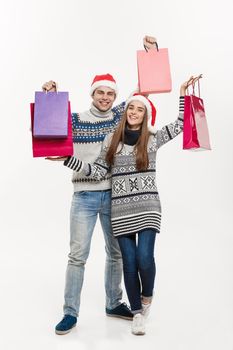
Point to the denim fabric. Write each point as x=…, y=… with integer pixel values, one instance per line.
x=138, y=266
x=85, y=208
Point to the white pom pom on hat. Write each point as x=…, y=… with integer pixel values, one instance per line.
x=151, y=110
x=103, y=80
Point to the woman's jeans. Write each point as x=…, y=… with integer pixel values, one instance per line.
x=86, y=206
x=138, y=266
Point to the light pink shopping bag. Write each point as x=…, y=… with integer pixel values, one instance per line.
x=154, y=75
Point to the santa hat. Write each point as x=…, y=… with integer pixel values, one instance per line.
x=151, y=111
x=103, y=80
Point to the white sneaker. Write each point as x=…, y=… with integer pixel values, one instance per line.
x=146, y=309
x=138, y=325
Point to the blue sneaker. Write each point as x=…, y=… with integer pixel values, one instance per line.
x=121, y=311
x=66, y=324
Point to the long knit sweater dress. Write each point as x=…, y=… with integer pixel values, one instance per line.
x=135, y=198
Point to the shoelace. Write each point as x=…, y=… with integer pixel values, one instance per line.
x=65, y=320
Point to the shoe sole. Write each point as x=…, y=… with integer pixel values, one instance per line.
x=64, y=332
x=123, y=317
x=139, y=333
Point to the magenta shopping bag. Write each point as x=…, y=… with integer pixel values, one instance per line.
x=42, y=147
x=154, y=75
x=195, y=133
x=51, y=114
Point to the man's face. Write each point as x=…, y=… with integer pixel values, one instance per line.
x=103, y=98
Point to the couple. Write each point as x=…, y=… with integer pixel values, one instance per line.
x=114, y=176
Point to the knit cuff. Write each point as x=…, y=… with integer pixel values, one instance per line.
x=74, y=164
x=181, y=104
x=66, y=161
x=181, y=109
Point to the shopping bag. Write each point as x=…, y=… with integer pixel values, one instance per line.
x=154, y=75
x=42, y=147
x=51, y=114
x=195, y=132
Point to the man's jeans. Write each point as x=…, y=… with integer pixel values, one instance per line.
x=139, y=266
x=86, y=205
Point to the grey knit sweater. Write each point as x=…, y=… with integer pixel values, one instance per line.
x=135, y=198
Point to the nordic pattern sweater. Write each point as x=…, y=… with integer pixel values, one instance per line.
x=89, y=131
x=135, y=198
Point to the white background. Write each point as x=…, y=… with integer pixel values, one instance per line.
x=71, y=41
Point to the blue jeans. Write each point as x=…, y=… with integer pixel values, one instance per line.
x=86, y=205
x=138, y=266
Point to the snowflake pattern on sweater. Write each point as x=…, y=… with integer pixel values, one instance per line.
x=135, y=199
x=89, y=132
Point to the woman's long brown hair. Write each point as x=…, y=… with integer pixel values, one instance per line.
x=142, y=161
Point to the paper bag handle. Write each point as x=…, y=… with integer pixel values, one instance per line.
x=55, y=85
x=199, y=90
x=156, y=44
x=193, y=86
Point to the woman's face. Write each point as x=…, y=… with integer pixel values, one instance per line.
x=135, y=114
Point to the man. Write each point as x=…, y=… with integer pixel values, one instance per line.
x=91, y=199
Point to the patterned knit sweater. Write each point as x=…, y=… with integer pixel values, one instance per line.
x=135, y=198
x=89, y=131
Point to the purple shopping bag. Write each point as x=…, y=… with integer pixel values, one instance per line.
x=51, y=114
x=43, y=147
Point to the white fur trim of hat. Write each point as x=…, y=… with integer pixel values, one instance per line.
x=151, y=110
x=103, y=80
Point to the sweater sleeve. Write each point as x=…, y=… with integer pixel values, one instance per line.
x=98, y=169
x=119, y=108
x=169, y=131
x=118, y=112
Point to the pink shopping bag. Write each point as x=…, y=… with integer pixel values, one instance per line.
x=154, y=75
x=195, y=133
x=42, y=147
x=51, y=114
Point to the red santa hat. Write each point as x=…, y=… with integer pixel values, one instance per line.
x=103, y=80
x=151, y=111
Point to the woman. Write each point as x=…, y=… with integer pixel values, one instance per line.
x=129, y=155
